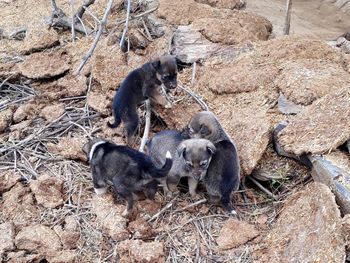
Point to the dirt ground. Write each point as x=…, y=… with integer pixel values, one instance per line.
x=48, y=209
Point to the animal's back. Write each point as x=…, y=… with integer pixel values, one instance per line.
x=224, y=169
x=167, y=140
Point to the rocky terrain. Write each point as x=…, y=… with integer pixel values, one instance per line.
x=233, y=60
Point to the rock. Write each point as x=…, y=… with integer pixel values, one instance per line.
x=45, y=65
x=314, y=231
x=334, y=170
x=235, y=233
x=320, y=127
x=72, y=85
x=8, y=179
x=18, y=206
x=7, y=235
x=228, y=4
x=139, y=251
x=39, y=37
x=5, y=119
x=287, y=107
x=109, y=216
x=64, y=256
x=48, y=191
x=52, y=112
x=239, y=27
x=69, y=148
x=140, y=229
x=38, y=238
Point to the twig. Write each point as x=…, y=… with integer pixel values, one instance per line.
x=147, y=126
x=97, y=38
x=81, y=127
x=118, y=23
x=126, y=24
x=73, y=20
x=202, y=201
x=262, y=188
x=193, y=73
x=195, y=96
x=287, y=19
x=155, y=216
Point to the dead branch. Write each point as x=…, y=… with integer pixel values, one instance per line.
x=102, y=24
x=199, y=202
x=287, y=19
x=147, y=126
x=262, y=188
x=121, y=44
x=118, y=23
x=155, y=216
x=60, y=19
x=195, y=97
x=81, y=10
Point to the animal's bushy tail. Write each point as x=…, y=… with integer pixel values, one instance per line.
x=117, y=120
x=162, y=172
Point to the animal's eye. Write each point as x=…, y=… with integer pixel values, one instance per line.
x=189, y=164
x=204, y=163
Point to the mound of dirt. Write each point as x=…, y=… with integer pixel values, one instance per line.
x=240, y=27
x=228, y=4
x=109, y=217
x=321, y=127
x=314, y=231
x=52, y=112
x=18, y=206
x=45, y=65
x=69, y=148
x=5, y=119
x=235, y=233
x=8, y=179
x=48, y=191
x=38, y=238
x=305, y=81
x=139, y=251
x=7, y=235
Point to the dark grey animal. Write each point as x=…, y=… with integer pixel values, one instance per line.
x=129, y=170
x=223, y=175
x=191, y=158
x=141, y=84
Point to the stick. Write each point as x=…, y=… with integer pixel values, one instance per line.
x=147, y=126
x=263, y=188
x=118, y=23
x=170, y=204
x=287, y=20
x=97, y=38
x=73, y=20
x=126, y=24
x=82, y=9
x=196, y=97
x=202, y=201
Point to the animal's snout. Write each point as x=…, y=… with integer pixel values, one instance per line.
x=198, y=175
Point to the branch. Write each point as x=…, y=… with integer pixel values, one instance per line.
x=147, y=126
x=137, y=16
x=195, y=97
x=81, y=10
x=60, y=19
x=97, y=38
x=262, y=188
x=126, y=24
x=287, y=20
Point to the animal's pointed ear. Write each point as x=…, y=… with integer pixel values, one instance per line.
x=156, y=64
x=181, y=150
x=211, y=148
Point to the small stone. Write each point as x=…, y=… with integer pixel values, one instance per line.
x=64, y=256
x=23, y=111
x=69, y=148
x=52, y=112
x=8, y=179
x=5, y=119
x=140, y=228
